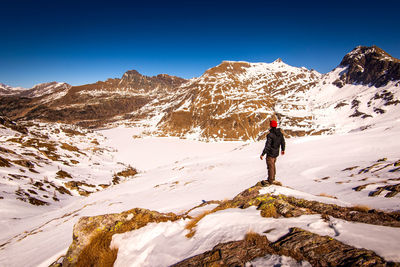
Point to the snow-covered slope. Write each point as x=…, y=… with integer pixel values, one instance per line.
x=353, y=107
x=322, y=168
x=53, y=91
x=49, y=165
x=8, y=90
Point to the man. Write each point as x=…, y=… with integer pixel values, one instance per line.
x=275, y=140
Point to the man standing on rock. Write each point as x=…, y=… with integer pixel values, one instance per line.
x=275, y=140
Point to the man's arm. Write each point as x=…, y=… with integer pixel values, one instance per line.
x=283, y=145
x=266, y=147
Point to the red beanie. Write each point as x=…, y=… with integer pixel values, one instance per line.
x=273, y=124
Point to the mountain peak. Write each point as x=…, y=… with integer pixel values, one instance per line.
x=361, y=54
x=228, y=66
x=369, y=66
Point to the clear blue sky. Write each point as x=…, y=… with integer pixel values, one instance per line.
x=82, y=42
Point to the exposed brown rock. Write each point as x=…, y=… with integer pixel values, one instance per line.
x=63, y=174
x=324, y=250
x=24, y=163
x=127, y=172
x=393, y=190
x=369, y=66
x=298, y=244
x=235, y=253
x=4, y=162
x=76, y=185
x=12, y=125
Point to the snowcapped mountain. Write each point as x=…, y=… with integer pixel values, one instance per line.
x=362, y=92
x=51, y=90
x=369, y=66
x=92, y=104
x=56, y=89
x=8, y=90
x=232, y=101
x=236, y=100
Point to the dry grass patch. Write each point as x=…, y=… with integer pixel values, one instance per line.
x=63, y=174
x=193, y=223
x=350, y=168
x=68, y=147
x=71, y=132
x=255, y=239
x=95, y=142
x=98, y=252
x=226, y=204
x=127, y=172
x=268, y=210
x=326, y=195
x=361, y=208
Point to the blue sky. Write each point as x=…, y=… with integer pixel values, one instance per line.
x=82, y=42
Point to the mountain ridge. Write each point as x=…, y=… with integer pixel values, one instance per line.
x=231, y=101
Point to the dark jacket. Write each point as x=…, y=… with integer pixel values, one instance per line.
x=275, y=140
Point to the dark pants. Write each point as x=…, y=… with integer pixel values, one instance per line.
x=271, y=169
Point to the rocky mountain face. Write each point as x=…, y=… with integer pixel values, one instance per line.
x=91, y=105
x=232, y=101
x=236, y=100
x=369, y=66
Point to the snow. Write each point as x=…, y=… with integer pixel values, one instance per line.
x=164, y=244
x=275, y=260
x=177, y=175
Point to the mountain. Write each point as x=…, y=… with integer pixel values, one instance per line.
x=8, y=90
x=232, y=101
x=39, y=90
x=361, y=93
x=235, y=100
x=92, y=104
x=369, y=66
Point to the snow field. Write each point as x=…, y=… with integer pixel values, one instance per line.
x=177, y=175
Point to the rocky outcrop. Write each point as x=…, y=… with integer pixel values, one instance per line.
x=299, y=244
x=6, y=122
x=287, y=206
x=369, y=66
x=235, y=253
x=92, y=235
x=132, y=79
